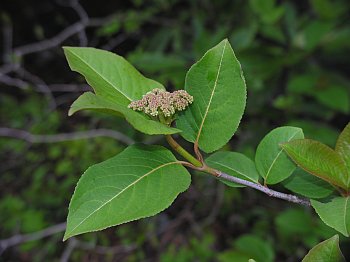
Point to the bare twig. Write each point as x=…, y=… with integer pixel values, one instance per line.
x=59, y=38
x=7, y=32
x=84, y=19
x=72, y=244
x=49, y=43
x=41, y=85
x=31, y=138
x=106, y=250
x=114, y=42
x=14, y=82
x=268, y=191
x=19, y=239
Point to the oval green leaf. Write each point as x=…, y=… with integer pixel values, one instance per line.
x=326, y=251
x=307, y=185
x=139, y=121
x=319, y=160
x=217, y=84
x=110, y=75
x=334, y=212
x=139, y=182
x=234, y=164
x=271, y=162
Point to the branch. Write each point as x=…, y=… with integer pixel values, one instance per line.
x=7, y=33
x=31, y=138
x=19, y=239
x=268, y=191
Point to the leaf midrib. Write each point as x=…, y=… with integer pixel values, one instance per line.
x=346, y=203
x=279, y=153
x=211, y=95
x=122, y=191
x=326, y=178
x=101, y=76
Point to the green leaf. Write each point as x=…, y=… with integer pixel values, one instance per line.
x=294, y=221
x=307, y=185
x=271, y=162
x=110, y=75
x=343, y=147
x=326, y=251
x=319, y=160
x=139, y=182
x=259, y=249
x=334, y=212
x=217, y=84
x=233, y=255
x=139, y=121
x=234, y=164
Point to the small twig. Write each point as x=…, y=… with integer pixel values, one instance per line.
x=15, y=82
x=84, y=19
x=7, y=32
x=268, y=191
x=49, y=43
x=72, y=243
x=103, y=250
x=19, y=239
x=114, y=42
x=31, y=138
x=40, y=84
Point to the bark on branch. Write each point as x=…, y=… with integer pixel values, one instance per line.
x=268, y=191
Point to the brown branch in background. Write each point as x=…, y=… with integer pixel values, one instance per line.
x=42, y=86
x=7, y=33
x=31, y=138
x=74, y=243
x=19, y=239
x=12, y=81
x=84, y=19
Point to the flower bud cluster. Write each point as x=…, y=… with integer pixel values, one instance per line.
x=160, y=101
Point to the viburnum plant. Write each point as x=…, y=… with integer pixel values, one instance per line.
x=144, y=179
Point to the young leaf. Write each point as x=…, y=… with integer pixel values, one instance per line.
x=217, y=84
x=271, y=162
x=307, y=185
x=319, y=160
x=343, y=147
x=138, y=120
x=259, y=249
x=234, y=164
x=326, y=251
x=139, y=182
x=110, y=75
x=335, y=213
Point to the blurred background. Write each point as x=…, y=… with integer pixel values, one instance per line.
x=295, y=57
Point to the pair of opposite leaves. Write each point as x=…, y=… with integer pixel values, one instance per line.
x=144, y=180
x=216, y=82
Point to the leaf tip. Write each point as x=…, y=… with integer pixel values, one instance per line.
x=66, y=236
x=71, y=112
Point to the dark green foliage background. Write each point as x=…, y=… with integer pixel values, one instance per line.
x=295, y=59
